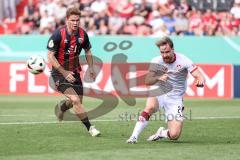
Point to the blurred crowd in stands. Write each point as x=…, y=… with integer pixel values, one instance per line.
x=153, y=18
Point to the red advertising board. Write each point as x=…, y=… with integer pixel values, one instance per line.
x=120, y=79
x=219, y=82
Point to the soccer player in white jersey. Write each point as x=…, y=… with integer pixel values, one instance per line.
x=172, y=68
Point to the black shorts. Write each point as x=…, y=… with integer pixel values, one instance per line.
x=61, y=84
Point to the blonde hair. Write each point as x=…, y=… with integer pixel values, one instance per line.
x=164, y=41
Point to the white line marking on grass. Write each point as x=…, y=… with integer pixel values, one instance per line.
x=223, y=117
x=104, y=120
x=52, y=122
x=18, y=123
x=24, y=115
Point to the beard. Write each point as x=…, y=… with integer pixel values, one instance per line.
x=167, y=60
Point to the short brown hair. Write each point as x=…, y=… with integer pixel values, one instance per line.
x=73, y=11
x=164, y=41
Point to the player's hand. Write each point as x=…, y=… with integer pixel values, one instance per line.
x=69, y=76
x=92, y=73
x=163, y=78
x=199, y=83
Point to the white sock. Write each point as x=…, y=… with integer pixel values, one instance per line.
x=164, y=133
x=140, y=125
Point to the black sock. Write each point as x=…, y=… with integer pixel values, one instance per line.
x=86, y=122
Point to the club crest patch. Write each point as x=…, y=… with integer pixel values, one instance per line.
x=80, y=40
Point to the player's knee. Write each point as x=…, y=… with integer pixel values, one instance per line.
x=69, y=103
x=75, y=100
x=173, y=135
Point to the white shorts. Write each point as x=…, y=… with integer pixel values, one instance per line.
x=173, y=107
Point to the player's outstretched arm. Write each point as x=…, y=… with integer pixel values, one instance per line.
x=152, y=78
x=89, y=59
x=200, y=80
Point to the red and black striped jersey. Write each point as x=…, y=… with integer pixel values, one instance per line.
x=67, y=48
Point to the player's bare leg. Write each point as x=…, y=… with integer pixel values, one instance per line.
x=173, y=131
x=79, y=110
x=151, y=107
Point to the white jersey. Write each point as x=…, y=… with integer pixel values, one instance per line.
x=177, y=72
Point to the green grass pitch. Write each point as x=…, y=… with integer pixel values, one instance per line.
x=28, y=130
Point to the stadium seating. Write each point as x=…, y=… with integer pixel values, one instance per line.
x=216, y=6
x=223, y=5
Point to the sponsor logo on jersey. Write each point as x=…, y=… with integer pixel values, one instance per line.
x=72, y=49
x=162, y=68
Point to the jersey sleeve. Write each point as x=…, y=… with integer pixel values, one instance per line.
x=54, y=41
x=190, y=66
x=153, y=67
x=86, y=44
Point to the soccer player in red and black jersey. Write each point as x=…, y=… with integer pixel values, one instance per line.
x=64, y=47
